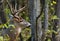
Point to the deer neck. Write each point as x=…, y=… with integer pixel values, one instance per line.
x=18, y=29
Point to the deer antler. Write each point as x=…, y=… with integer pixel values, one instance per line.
x=15, y=11
x=21, y=9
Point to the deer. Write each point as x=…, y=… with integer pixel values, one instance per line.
x=13, y=33
x=18, y=22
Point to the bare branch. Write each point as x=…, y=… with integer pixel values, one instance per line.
x=10, y=6
x=15, y=5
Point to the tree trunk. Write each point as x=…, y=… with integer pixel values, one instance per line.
x=34, y=11
x=32, y=16
x=2, y=14
x=38, y=20
x=58, y=14
x=46, y=9
x=39, y=29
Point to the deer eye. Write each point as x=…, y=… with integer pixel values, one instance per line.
x=21, y=20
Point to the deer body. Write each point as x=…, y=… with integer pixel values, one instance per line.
x=12, y=33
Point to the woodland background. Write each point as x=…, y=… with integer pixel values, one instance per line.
x=44, y=16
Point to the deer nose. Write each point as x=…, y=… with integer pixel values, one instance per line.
x=28, y=25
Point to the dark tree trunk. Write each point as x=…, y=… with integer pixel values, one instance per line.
x=2, y=14
x=58, y=22
x=46, y=9
x=32, y=18
x=34, y=11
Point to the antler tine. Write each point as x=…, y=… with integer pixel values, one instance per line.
x=15, y=12
x=18, y=11
x=10, y=6
x=21, y=9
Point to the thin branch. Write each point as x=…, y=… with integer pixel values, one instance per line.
x=10, y=6
x=15, y=5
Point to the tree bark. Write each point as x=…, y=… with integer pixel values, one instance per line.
x=34, y=11
x=38, y=20
x=46, y=9
x=32, y=18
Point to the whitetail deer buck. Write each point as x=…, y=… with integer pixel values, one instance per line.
x=19, y=23
x=13, y=33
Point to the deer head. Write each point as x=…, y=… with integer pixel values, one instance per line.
x=18, y=20
x=15, y=13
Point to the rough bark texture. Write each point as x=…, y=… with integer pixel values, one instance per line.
x=32, y=15
x=39, y=29
x=45, y=20
x=38, y=20
x=34, y=11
